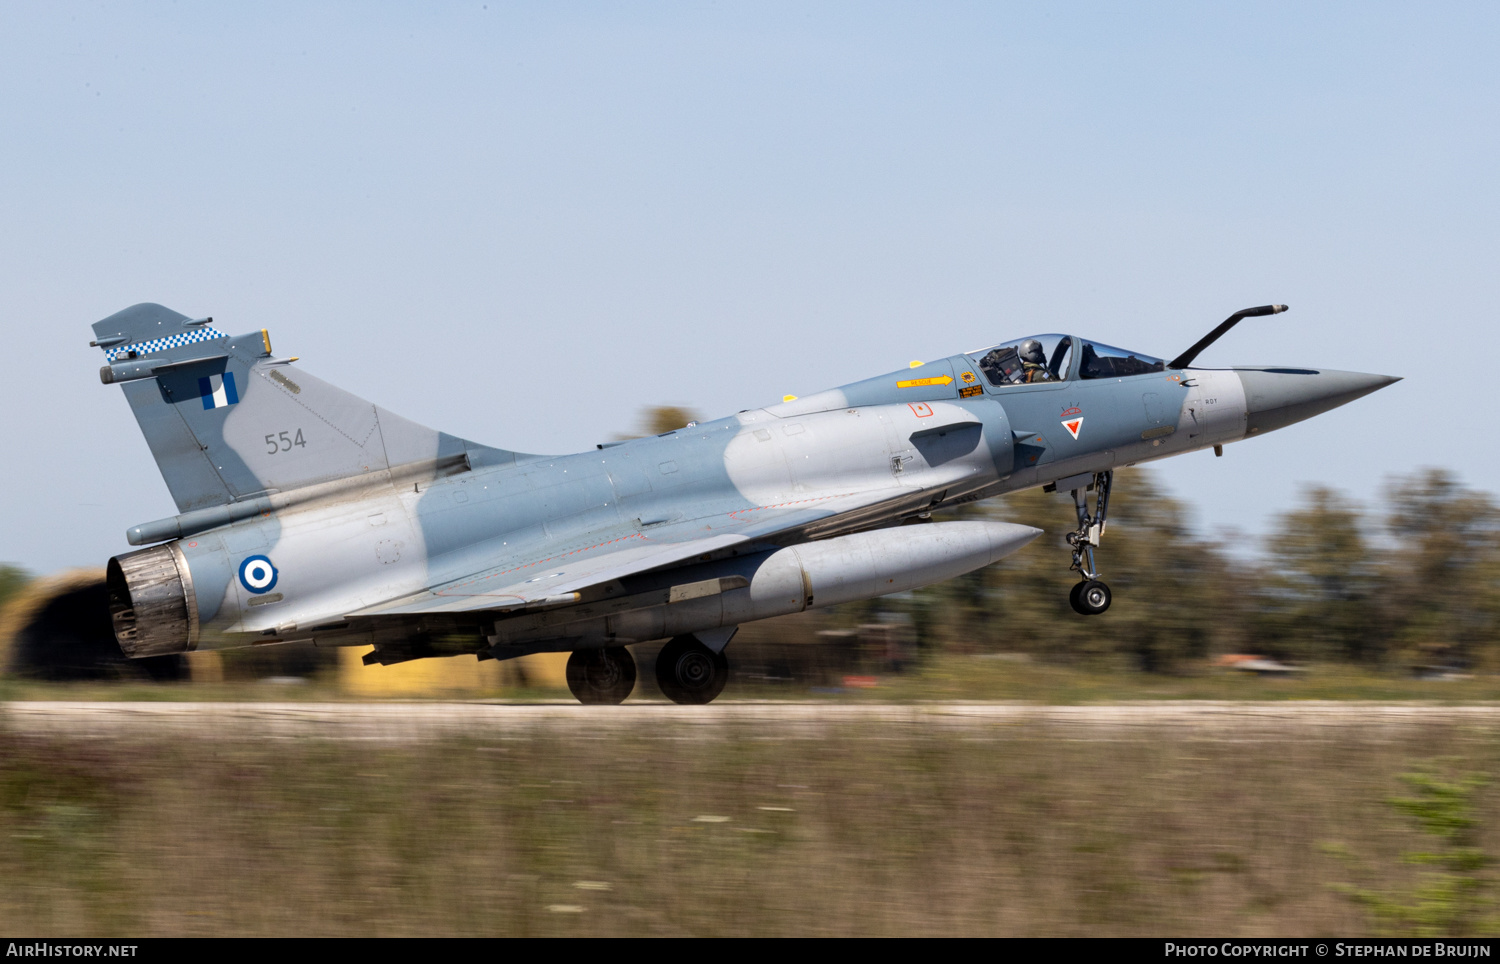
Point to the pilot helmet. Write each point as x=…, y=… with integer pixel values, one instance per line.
x=1031, y=351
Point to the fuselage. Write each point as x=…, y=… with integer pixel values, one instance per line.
x=946, y=432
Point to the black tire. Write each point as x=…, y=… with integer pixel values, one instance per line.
x=689, y=672
x=1093, y=597
x=601, y=676
x=1073, y=598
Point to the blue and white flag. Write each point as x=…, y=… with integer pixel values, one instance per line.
x=218, y=390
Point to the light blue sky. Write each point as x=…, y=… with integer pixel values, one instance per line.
x=522, y=223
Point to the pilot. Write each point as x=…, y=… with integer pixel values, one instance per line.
x=1033, y=362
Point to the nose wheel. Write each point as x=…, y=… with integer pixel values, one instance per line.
x=1089, y=597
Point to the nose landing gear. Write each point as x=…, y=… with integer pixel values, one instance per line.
x=1090, y=597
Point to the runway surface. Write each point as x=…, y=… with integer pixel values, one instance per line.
x=418, y=721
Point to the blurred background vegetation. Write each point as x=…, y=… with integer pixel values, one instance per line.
x=12, y=580
x=1412, y=584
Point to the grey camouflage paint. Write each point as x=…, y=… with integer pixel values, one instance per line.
x=381, y=531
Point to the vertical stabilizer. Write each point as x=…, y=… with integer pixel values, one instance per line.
x=228, y=421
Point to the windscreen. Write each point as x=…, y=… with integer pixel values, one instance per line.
x=1106, y=361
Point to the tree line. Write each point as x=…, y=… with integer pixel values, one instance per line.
x=1410, y=583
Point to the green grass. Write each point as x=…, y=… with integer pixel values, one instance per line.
x=880, y=829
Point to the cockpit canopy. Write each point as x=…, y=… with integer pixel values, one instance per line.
x=1051, y=358
x=1105, y=361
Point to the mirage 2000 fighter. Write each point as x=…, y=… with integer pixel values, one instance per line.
x=309, y=514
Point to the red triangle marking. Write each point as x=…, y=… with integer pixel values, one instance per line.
x=1073, y=425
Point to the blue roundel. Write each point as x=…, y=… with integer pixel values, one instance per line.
x=258, y=575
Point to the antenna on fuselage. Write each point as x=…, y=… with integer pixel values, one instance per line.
x=1186, y=358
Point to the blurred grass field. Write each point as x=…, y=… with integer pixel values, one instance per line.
x=870, y=830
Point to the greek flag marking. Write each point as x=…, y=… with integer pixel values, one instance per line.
x=218, y=390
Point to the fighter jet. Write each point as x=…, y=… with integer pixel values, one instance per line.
x=308, y=514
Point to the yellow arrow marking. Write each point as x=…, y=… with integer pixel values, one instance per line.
x=919, y=382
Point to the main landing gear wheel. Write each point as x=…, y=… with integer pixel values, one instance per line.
x=1089, y=598
x=601, y=676
x=689, y=672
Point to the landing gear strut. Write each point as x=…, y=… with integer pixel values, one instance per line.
x=689, y=672
x=1090, y=597
x=601, y=676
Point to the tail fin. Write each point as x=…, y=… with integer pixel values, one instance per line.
x=226, y=421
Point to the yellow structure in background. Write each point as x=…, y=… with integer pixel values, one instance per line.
x=422, y=678
x=449, y=675
x=205, y=667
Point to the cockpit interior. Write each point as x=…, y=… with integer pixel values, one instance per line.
x=1055, y=358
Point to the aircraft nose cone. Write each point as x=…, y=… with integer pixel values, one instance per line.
x=1277, y=397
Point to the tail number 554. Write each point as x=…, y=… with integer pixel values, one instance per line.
x=284, y=442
